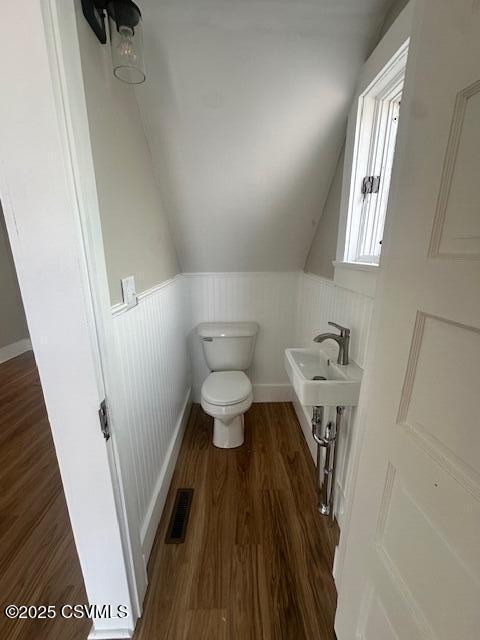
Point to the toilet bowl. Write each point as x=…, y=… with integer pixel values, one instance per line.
x=227, y=392
x=226, y=395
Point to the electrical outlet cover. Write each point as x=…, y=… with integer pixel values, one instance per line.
x=128, y=292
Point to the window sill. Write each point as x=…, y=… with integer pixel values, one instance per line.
x=356, y=266
x=358, y=277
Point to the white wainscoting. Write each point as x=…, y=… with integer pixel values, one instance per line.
x=319, y=301
x=151, y=343
x=156, y=342
x=267, y=297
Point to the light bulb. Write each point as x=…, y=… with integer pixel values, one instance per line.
x=126, y=48
x=126, y=40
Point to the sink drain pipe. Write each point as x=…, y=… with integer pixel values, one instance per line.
x=326, y=439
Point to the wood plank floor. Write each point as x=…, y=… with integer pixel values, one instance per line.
x=38, y=559
x=257, y=558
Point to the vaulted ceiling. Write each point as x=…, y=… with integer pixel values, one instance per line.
x=245, y=110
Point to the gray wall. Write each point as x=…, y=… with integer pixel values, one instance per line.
x=324, y=245
x=244, y=107
x=13, y=325
x=394, y=11
x=135, y=229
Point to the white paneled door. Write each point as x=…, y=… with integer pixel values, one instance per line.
x=412, y=564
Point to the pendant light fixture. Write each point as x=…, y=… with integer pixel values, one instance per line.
x=126, y=36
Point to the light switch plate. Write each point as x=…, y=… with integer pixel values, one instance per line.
x=128, y=291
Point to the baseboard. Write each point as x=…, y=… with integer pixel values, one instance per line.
x=110, y=634
x=272, y=392
x=15, y=349
x=155, y=508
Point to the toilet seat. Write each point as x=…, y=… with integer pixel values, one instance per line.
x=225, y=388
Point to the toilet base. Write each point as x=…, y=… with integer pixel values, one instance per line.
x=228, y=436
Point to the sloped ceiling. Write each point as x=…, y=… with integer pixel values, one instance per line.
x=244, y=109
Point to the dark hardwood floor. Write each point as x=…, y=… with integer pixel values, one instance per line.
x=38, y=559
x=256, y=562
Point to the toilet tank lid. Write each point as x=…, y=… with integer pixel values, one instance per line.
x=227, y=329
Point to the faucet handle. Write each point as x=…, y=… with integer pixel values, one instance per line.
x=344, y=331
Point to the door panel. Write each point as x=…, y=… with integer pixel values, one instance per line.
x=412, y=563
x=377, y=622
x=438, y=407
x=456, y=231
x=415, y=550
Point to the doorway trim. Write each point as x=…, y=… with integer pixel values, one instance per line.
x=393, y=42
x=64, y=53
x=51, y=226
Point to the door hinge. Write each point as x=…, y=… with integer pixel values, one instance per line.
x=370, y=184
x=103, y=415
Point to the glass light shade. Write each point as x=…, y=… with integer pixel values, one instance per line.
x=126, y=41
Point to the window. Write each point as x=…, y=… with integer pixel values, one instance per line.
x=375, y=136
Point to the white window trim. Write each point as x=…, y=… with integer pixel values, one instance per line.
x=373, y=104
x=362, y=277
x=355, y=266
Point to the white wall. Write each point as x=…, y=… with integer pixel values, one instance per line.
x=268, y=298
x=395, y=10
x=144, y=350
x=149, y=338
x=244, y=108
x=151, y=343
x=396, y=36
x=291, y=309
x=324, y=245
x=324, y=249
x=41, y=210
x=135, y=228
x=319, y=301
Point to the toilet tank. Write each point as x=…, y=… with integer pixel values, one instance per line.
x=228, y=346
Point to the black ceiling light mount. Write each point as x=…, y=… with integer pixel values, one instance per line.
x=126, y=35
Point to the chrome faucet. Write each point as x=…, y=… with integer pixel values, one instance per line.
x=343, y=341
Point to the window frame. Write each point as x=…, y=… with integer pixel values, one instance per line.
x=373, y=148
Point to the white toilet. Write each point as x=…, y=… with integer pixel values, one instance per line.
x=227, y=392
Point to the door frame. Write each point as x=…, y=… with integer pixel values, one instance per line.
x=396, y=39
x=49, y=199
x=64, y=52
x=424, y=308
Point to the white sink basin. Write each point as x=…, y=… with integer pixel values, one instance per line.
x=340, y=388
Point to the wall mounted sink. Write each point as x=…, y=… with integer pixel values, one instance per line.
x=319, y=380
